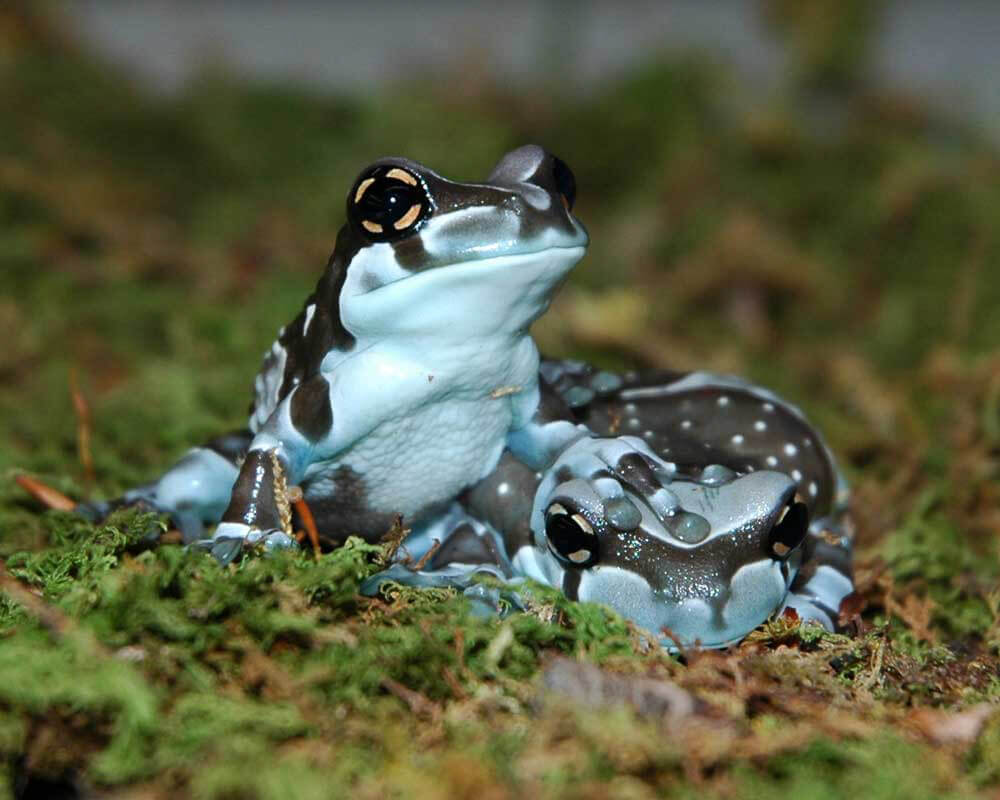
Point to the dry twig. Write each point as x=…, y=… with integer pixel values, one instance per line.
x=51, y=498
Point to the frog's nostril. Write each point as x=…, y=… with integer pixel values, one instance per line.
x=790, y=529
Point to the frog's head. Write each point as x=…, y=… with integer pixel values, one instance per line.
x=421, y=253
x=710, y=572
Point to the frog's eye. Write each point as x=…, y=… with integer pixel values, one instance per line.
x=565, y=182
x=388, y=202
x=571, y=538
x=790, y=529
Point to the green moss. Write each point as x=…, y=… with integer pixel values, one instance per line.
x=153, y=246
x=883, y=767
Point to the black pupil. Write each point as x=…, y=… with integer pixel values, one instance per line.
x=793, y=528
x=565, y=182
x=566, y=537
x=386, y=201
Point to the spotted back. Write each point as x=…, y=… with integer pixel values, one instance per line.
x=700, y=419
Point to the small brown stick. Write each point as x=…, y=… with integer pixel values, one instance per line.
x=308, y=521
x=425, y=557
x=49, y=497
x=453, y=684
x=415, y=700
x=83, y=427
x=682, y=651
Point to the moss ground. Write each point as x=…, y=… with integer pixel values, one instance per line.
x=835, y=242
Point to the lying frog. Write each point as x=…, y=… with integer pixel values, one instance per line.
x=696, y=505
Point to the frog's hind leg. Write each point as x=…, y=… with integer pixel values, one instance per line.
x=195, y=491
x=454, y=551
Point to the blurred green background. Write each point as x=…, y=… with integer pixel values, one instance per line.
x=780, y=203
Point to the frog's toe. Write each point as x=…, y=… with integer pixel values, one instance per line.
x=574, y=515
x=225, y=545
x=616, y=465
x=231, y=538
x=94, y=510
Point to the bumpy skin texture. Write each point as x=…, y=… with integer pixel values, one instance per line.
x=696, y=505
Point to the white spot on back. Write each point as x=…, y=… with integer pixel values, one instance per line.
x=771, y=461
x=796, y=475
x=813, y=488
x=760, y=425
x=768, y=407
x=737, y=439
x=503, y=489
x=723, y=401
x=790, y=449
x=686, y=424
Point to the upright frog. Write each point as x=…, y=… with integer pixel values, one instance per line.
x=409, y=384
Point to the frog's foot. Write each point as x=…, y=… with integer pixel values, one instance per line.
x=232, y=538
x=454, y=551
x=486, y=600
x=598, y=475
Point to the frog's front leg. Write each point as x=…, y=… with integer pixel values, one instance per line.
x=298, y=432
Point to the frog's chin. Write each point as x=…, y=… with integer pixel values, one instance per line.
x=480, y=297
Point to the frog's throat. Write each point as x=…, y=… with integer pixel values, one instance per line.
x=482, y=297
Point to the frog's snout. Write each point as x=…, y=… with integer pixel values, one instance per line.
x=789, y=530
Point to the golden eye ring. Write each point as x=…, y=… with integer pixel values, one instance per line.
x=388, y=202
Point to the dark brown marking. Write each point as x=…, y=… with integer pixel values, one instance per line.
x=345, y=511
x=310, y=408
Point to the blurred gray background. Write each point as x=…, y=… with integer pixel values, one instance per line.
x=944, y=51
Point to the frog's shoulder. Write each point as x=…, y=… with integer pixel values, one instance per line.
x=297, y=353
